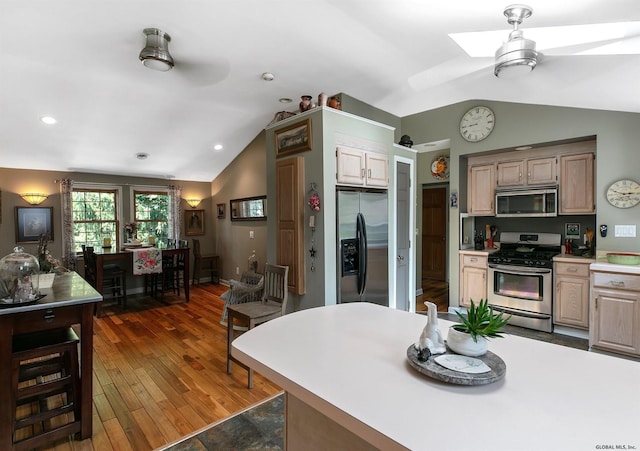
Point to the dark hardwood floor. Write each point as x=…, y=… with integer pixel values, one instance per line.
x=160, y=373
x=435, y=291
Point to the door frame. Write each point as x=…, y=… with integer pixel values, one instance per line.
x=393, y=248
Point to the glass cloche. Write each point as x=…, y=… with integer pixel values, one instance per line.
x=19, y=277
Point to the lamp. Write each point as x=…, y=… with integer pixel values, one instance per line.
x=34, y=198
x=155, y=55
x=518, y=55
x=193, y=202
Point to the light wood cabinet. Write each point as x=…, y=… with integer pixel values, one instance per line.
x=576, y=184
x=361, y=168
x=481, y=190
x=530, y=172
x=615, y=312
x=473, y=277
x=571, y=297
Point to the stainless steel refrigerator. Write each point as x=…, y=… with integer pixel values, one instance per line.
x=362, y=221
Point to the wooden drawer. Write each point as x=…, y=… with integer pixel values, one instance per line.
x=616, y=281
x=50, y=318
x=476, y=261
x=571, y=269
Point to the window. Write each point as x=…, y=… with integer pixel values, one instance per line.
x=94, y=217
x=151, y=213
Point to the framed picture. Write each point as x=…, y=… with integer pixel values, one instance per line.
x=194, y=222
x=31, y=222
x=572, y=230
x=294, y=138
x=220, y=209
x=248, y=209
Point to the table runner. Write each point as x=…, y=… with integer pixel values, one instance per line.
x=147, y=261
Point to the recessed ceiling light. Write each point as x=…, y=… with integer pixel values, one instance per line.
x=142, y=156
x=285, y=100
x=524, y=148
x=48, y=120
x=268, y=76
x=217, y=147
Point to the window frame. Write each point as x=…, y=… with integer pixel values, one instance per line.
x=141, y=189
x=97, y=188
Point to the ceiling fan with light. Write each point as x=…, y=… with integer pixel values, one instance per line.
x=519, y=55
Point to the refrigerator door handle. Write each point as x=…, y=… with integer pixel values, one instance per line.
x=362, y=253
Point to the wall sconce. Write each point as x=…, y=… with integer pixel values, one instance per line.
x=34, y=198
x=193, y=202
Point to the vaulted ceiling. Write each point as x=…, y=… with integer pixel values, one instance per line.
x=77, y=60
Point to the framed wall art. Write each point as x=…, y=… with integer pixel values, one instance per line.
x=294, y=138
x=220, y=209
x=194, y=222
x=31, y=222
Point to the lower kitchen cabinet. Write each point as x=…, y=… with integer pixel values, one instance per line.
x=571, y=295
x=473, y=277
x=615, y=312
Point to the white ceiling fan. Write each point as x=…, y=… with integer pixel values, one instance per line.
x=541, y=45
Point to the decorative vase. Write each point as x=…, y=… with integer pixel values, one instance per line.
x=45, y=280
x=305, y=103
x=322, y=99
x=462, y=343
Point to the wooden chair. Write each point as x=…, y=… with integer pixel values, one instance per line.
x=248, y=289
x=207, y=263
x=45, y=387
x=114, y=278
x=252, y=314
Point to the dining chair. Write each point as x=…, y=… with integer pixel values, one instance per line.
x=247, y=289
x=252, y=314
x=114, y=278
x=203, y=263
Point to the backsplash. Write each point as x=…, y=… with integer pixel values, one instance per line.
x=542, y=225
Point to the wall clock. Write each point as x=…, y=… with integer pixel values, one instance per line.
x=624, y=194
x=477, y=123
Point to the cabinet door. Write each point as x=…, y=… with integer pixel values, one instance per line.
x=481, y=190
x=377, y=169
x=351, y=166
x=615, y=323
x=576, y=184
x=541, y=171
x=473, y=285
x=571, y=302
x=510, y=173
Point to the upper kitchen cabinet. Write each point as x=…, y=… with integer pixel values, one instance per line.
x=577, y=184
x=361, y=168
x=529, y=172
x=481, y=190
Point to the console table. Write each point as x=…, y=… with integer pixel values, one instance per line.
x=70, y=301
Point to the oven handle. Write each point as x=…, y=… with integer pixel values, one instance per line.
x=518, y=312
x=521, y=270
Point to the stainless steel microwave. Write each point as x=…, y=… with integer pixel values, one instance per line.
x=536, y=202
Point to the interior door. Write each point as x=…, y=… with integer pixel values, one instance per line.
x=403, y=239
x=434, y=233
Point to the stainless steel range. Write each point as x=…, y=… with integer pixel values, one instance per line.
x=521, y=278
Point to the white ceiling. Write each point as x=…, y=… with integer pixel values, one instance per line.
x=77, y=60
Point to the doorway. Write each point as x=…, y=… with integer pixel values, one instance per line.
x=434, y=243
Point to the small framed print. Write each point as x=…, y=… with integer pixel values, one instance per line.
x=220, y=209
x=194, y=222
x=572, y=230
x=31, y=222
x=294, y=138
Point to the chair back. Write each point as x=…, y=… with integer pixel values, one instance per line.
x=275, y=285
x=196, y=248
x=90, y=264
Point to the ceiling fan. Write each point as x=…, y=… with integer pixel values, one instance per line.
x=520, y=55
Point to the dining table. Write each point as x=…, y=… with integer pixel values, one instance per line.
x=110, y=254
x=70, y=301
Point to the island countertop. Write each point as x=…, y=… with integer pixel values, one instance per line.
x=348, y=362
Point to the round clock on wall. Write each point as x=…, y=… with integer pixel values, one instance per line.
x=477, y=123
x=624, y=194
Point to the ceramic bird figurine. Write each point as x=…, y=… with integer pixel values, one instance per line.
x=431, y=337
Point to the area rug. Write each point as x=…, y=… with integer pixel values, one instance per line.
x=260, y=427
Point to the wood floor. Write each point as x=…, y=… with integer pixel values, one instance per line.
x=435, y=291
x=160, y=374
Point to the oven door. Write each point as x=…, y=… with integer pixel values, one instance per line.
x=521, y=290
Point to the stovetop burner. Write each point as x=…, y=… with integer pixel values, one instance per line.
x=527, y=249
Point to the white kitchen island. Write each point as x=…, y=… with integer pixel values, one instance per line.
x=344, y=368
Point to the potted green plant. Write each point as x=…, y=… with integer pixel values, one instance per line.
x=470, y=336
